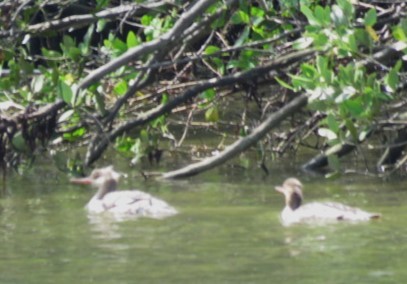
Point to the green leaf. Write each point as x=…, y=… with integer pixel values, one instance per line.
x=247, y=60
x=212, y=114
x=119, y=45
x=352, y=43
x=372, y=33
x=211, y=49
x=332, y=123
x=68, y=42
x=323, y=15
x=121, y=87
x=355, y=107
x=74, y=53
x=312, y=20
x=370, y=17
x=87, y=38
x=322, y=64
x=308, y=70
x=69, y=49
x=240, y=17
x=146, y=19
x=164, y=99
x=284, y=84
x=124, y=144
x=320, y=40
x=399, y=34
x=400, y=31
x=392, y=78
x=208, y=94
x=132, y=40
x=51, y=53
x=159, y=121
x=302, y=82
x=254, y=11
x=362, y=38
x=352, y=129
x=338, y=16
x=347, y=7
x=100, y=25
x=72, y=136
x=65, y=91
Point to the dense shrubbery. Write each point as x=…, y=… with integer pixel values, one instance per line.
x=100, y=73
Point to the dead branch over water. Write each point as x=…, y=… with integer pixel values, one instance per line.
x=175, y=64
x=242, y=144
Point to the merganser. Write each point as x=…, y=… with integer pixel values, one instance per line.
x=125, y=203
x=315, y=212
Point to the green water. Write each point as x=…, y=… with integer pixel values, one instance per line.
x=227, y=231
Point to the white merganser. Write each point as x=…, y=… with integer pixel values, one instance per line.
x=315, y=212
x=124, y=203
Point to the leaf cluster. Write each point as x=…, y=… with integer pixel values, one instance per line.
x=122, y=74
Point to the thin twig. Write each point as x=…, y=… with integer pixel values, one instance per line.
x=187, y=124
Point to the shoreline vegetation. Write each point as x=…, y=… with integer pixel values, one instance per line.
x=273, y=76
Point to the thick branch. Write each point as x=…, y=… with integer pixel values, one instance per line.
x=78, y=21
x=150, y=67
x=241, y=145
x=173, y=35
x=321, y=160
x=99, y=144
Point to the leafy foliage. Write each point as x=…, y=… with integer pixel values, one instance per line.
x=49, y=55
x=350, y=95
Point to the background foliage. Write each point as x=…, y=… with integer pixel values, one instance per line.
x=140, y=76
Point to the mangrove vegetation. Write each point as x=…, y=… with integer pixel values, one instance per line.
x=141, y=77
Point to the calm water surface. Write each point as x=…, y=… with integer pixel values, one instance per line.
x=227, y=231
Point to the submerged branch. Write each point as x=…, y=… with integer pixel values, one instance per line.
x=321, y=160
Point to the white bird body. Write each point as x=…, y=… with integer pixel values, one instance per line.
x=316, y=212
x=125, y=203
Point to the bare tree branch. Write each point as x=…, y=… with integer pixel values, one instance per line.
x=174, y=34
x=241, y=145
x=100, y=143
x=78, y=21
